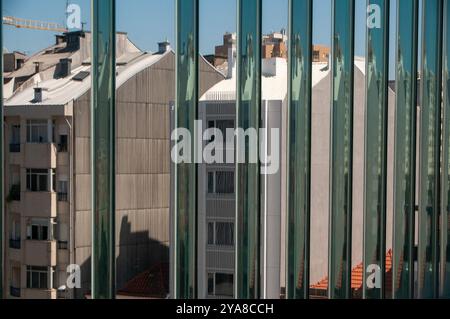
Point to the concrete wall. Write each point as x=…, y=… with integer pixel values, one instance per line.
x=143, y=172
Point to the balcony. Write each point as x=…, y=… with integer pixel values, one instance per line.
x=14, y=243
x=14, y=292
x=40, y=155
x=39, y=204
x=40, y=252
x=14, y=148
x=40, y=294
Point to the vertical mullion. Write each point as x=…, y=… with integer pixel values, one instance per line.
x=405, y=149
x=103, y=148
x=445, y=204
x=248, y=103
x=430, y=135
x=2, y=211
x=299, y=148
x=185, y=274
x=375, y=176
x=340, y=237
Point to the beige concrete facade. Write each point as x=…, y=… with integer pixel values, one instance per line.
x=51, y=228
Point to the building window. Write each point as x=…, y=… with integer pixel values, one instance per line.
x=221, y=233
x=63, y=144
x=37, y=277
x=38, y=180
x=37, y=131
x=221, y=182
x=220, y=285
x=38, y=229
x=63, y=191
x=14, y=146
x=222, y=125
x=15, y=238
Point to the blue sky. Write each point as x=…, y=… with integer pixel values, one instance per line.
x=150, y=21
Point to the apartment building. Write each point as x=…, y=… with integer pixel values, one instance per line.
x=47, y=165
x=217, y=188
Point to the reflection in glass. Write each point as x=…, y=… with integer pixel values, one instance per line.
x=185, y=275
x=377, y=71
x=430, y=133
x=445, y=206
x=2, y=213
x=341, y=149
x=405, y=149
x=299, y=145
x=248, y=175
x=103, y=148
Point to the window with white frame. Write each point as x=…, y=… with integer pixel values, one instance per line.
x=221, y=233
x=15, y=229
x=220, y=284
x=37, y=131
x=39, y=229
x=221, y=182
x=38, y=277
x=222, y=125
x=38, y=180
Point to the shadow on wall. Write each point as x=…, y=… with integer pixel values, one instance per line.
x=136, y=252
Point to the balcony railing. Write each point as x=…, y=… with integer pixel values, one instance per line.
x=14, y=243
x=62, y=197
x=62, y=148
x=14, y=292
x=64, y=245
x=14, y=148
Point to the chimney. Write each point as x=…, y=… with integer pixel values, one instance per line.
x=65, y=67
x=232, y=61
x=37, y=95
x=163, y=47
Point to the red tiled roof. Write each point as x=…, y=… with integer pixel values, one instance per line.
x=357, y=277
x=153, y=283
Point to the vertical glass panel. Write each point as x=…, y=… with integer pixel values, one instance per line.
x=186, y=173
x=405, y=149
x=1, y=156
x=445, y=206
x=341, y=149
x=377, y=57
x=103, y=148
x=430, y=130
x=248, y=174
x=299, y=145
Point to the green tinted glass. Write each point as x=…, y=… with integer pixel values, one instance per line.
x=445, y=206
x=103, y=148
x=341, y=149
x=375, y=164
x=299, y=148
x=185, y=274
x=430, y=134
x=248, y=174
x=405, y=149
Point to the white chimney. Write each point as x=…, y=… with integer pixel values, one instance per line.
x=232, y=55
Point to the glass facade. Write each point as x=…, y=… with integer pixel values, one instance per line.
x=2, y=233
x=430, y=136
x=299, y=148
x=405, y=149
x=375, y=176
x=248, y=174
x=445, y=203
x=103, y=148
x=340, y=237
x=186, y=173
